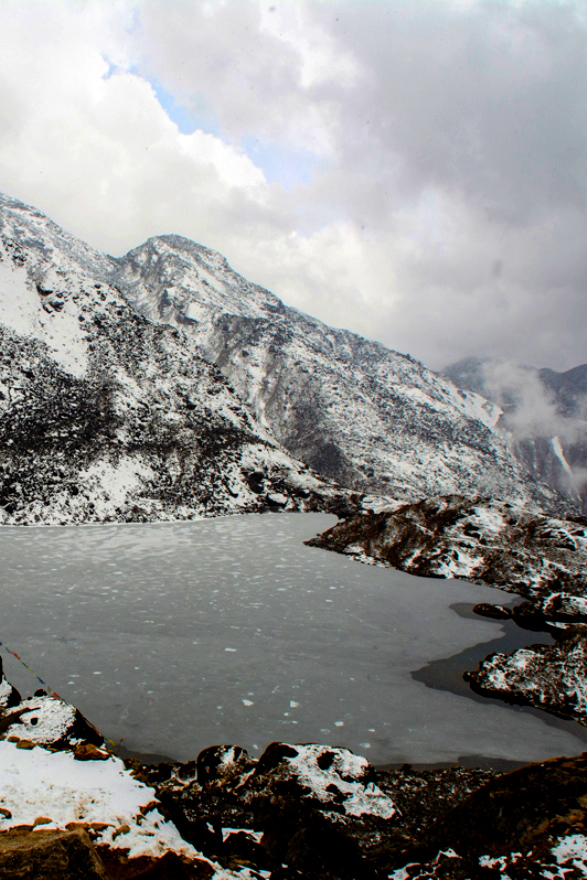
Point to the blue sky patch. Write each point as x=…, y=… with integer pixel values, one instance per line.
x=186, y=121
x=281, y=164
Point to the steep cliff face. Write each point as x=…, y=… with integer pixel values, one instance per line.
x=357, y=412
x=107, y=416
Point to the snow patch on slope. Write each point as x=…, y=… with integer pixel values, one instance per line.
x=19, y=304
x=111, y=483
x=22, y=311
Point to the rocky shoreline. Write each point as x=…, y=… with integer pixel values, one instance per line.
x=70, y=808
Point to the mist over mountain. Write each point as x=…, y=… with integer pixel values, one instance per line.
x=545, y=411
x=206, y=393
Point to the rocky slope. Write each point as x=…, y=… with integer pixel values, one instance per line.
x=482, y=541
x=545, y=411
x=105, y=416
x=356, y=412
x=529, y=824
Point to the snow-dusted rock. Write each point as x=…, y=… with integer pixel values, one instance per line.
x=42, y=720
x=307, y=805
x=480, y=540
x=550, y=677
x=336, y=779
x=565, y=607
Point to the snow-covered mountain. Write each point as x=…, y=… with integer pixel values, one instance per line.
x=105, y=416
x=368, y=417
x=134, y=353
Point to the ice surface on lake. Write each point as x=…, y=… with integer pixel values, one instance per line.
x=180, y=636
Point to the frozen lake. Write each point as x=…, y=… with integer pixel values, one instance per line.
x=175, y=637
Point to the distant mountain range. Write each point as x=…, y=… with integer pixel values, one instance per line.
x=162, y=384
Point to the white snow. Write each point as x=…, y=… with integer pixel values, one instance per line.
x=38, y=783
x=360, y=799
x=21, y=310
x=19, y=304
x=572, y=848
x=477, y=407
x=488, y=519
x=116, y=480
x=196, y=311
x=45, y=720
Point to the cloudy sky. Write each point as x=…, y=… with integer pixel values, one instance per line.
x=413, y=170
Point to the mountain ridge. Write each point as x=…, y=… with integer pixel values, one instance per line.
x=357, y=412
x=106, y=416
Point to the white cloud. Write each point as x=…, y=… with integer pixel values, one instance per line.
x=98, y=152
x=434, y=154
